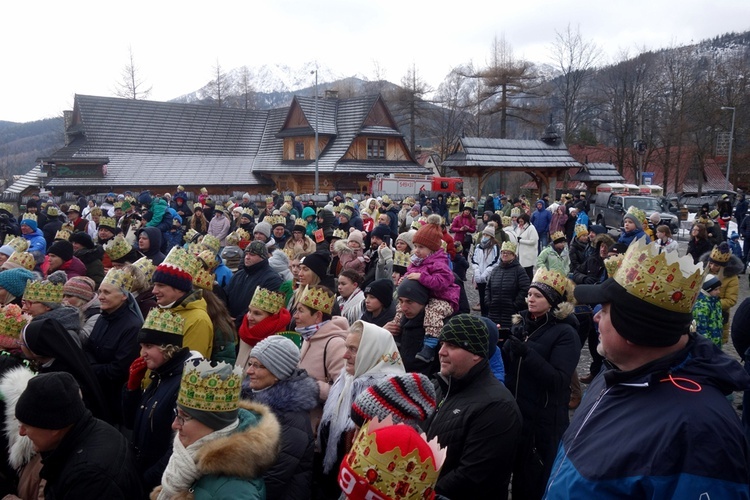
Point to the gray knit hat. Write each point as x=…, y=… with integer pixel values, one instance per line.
x=263, y=228
x=278, y=354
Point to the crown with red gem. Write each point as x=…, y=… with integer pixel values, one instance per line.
x=318, y=298
x=17, y=243
x=662, y=279
x=62, y=235
x=552, y=279
x=117, y=247
x=390, y=461
x=267, y=300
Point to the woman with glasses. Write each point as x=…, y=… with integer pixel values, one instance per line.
x=274, y=380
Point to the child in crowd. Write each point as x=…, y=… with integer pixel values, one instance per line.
x=707, y=310
x=734, y=245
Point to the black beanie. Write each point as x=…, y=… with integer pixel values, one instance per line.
x=61, y=248
x=83, y=239
x=51, y=401
x=413, y=290
x=381, y=231
x=318, y=263
x=382, y=290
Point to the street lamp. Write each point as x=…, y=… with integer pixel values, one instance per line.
x=731, y=140
x=316, y=129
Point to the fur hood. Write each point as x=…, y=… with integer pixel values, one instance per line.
x=12, y=385
x=341, y=247
x=300, y=392
x=561, y=313
x=733, y=267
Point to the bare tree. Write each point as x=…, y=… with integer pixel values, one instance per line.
x=131, y=85
x=217, y=88
x=248, y=91
x=409, y=101
x=447, y=119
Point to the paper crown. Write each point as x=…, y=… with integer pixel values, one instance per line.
x=204, y=280
x=211, y=243
x=557, y=235
x=268, y=301
x=163, y=320
x=17, y=243
x=713, y=213
x=68, y=227
x=232, y=240
x=581, y=229
x=515, y=212
x=662, y=279
x=95, y=212
x=53, y=211
x=195, y=248
x=21, y=259
x=285, y=207
x=119, y=279
x=275, y=220
x=43, y=291
x=190, y=235
x=300, y=222
x=318, y=298
x=12, y=321
x=62, y=235
x=469, y=205
x=249, y=212
x=117, y=247
x=146, y=266
x=350, y=204
x=207, y=260
x=197, y=206
x=506, y=220
x=287, y=197
x=637, y=213
x=508, y=246
x=28, y=216
x=402, y=259
x=391, y=461
x=210, y=386
x=117, y=204
x=336, y=209
x=612, y=264
x=180, y=259
x=348, y=196
x=7, y=207
x=340, y=234
x=385, y=200
x=108, y=222
x=242, y=234
x=346, y=213
x=720, y=254
x=74, y=208
x=552, y=279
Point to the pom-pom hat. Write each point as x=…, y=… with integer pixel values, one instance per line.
x=177, y=270
x=430, y=235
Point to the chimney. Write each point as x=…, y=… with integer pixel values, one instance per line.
x=332, y=94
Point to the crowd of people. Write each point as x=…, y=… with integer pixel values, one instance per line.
x=158, y=347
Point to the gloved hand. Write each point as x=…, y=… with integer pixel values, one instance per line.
x=137, y=371
x=517, y=346
x=589, y=280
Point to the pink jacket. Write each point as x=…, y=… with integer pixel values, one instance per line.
x=311, y=355
x=460, y=221
x=437, y=277
x=350, y=258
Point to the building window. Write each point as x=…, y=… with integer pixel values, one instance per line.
x=376, y=149
x=299, y=150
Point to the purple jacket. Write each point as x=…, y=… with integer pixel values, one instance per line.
x=437, y=277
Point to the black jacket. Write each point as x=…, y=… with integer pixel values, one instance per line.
x=384, y=317
x=697, y=248
x=92, y=461
x=579, y=252
x=506, y=291
x=242, y=286
x=479, y=423
x=92, y=259
x=410, y=343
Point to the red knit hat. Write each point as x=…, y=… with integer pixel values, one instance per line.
x=430, y=235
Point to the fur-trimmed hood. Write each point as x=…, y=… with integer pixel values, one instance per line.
x=341, y=247
x=12, y=385
x=560, y=313
x=300, y=392
x=733, y=267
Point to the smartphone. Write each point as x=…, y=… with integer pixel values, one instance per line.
x=387, y=240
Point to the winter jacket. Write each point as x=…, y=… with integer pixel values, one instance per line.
x=349, y=258
x=506, y=291
x=68, y=318
x=707, y=316
x=410, y=342
x=696, y=248
x=219, y=227
x=327, y=343
x=549, y=259
x=37, y=245
x=232, y=466
x=437, y=277
x=730, y=286
x=150, y=414
x=662, y=439
x=386, y=315
x=242, y=286
x=198, y=328
x=50, y=229
x=154, y=253
x=527, y=249
x=629, y=237
x=93, y=461
x=541, y=218
x=579, y=251
x=459, y=222
x=174, y=238
x=479, y=424
x=291, y=400
x=669, y=246
x=73, y=268
x=484, y=261
x=92, y=259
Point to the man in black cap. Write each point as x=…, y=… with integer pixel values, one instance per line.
x=410, y=332
x=477, y=420
x=659, y=409
x=82, y=457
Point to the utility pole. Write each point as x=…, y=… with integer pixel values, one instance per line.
x=731, y=140
x=317, y=190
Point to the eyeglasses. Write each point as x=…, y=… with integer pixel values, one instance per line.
x=182, y=418
x=256, y=366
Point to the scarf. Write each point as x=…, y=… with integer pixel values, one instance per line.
x=182, y=471
x=252, y=334
x=308, y=331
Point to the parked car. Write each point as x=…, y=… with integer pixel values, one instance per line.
x=609, y=209
x=694, y=201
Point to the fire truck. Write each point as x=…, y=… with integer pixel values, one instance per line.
x=412, y=186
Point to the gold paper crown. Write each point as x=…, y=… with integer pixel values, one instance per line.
x=62, y=235
x=146, y=266
x=232, y=240
x=53, y=211
x=206, y=386
x=386, y=199
x=211, y=243
x=204, y=280
x=557, y=235
x=195, y=248
x=713, y=213
x=68, y=227
x=581, y=229
x=17, y=243
x=117, y=247
x=74, y=208
x=43, y=291
x=346, y=213
x=318, y=299
x=399, y=472
x=275, y=219
x=637, y=213
x=300, y=222
x=408, y=201
x=28, y=216
x=12, y=321
x=508, y=246
x=336, y=209
x=179, y=258
x=119, y=279
x=117, y=204
x=402, y=259
x=348, y=196
x=662, y=279
x=197, y=206
x=190, y=235
x=249, y=212
x=720, y=257
x=95, y=212
x=499, y=212
x=469, y=205
x=108, y=222
x=287, y=197
x=506, y=221
x=207, y=259
x=340, y=234
x=21, y=259
x=612, y=264
x=515, y=212
x=7, y=207
x=268, y=301
x=229, y=204
x=553, y=279
x=350, y=204
x=204, y=190
x=243, y=234
x=269, y=200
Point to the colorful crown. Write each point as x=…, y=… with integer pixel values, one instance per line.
x=12, y=321
x=146, y=266
x=515, y=212
x=21, y=259
x=108, y=222
x=117, y=247
x=506, y=220
x=402, y=259
x=557, y=235
x=720, y=254
x=7, y=207
x=318, y=299
x=190, y=235
x=581, y=229
x=117, y=204
x=391, y=461
x=612, y=264
x=17, y=243
x=203, y=279
x=508, y=246
x=662, y=279
x=340, y=234
x=207, y=259
x=74, y=208
x=62, y=235
x=119, y=279
x=552, y=279
x=43, y=291
x=637, y=213
x=268, y=301
x=211, y=243
x=300, y=222
x=180, y=259
x=28, y=216
x=242, y=234
x=207, y=386
x=53, y=211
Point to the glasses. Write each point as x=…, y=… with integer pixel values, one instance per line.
x=256, y=366
x=181, y=418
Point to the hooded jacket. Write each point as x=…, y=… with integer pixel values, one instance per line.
x=663, y=438
x=154, y=250
x=541, y=218
x=92, y=259
x=242, y=286
x=73, y=268
x=199, y=329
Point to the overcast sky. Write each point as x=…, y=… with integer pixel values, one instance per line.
x=51, y=50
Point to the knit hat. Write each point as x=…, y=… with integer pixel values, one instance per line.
x=263, y=228
x=278, y=354
x=413, y=290
x=356, y=236
x=232, y=256
x=318, y=263
x=78, y=286
x=29, y=220
x=732, y=236
x=83, y=239
x=382, y=290
x=380, y=231
x=61, y=248
x=210, y=392
x=258, y=248
x=489, y=231
x=430, y=235
x=408, y=398
x=710, y=284
x=177, y=270
x=467, y=332
x=51, y=401
x=162, y=327
x=14, y=280
x=7, y=250
x=408, y=238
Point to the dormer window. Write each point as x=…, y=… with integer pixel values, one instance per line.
x=376, y=149
x=299, y=150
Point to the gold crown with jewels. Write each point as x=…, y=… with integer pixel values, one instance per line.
x=268, y=301
x=204, y=280
x=210, y=386
x=109, y=222
x=21, y=259
x=340, y=234
x=43, y=291
x=402, y=259
x=163, y=320
x=146, y=266
x=211, y=243
x=612, y=264
x=720, y=254
x=117, y=247
x=62, y=235
x=553, y=279
x=119, y=279
x=557, y=235
x=12, y=321
x=508, y=246
x=581, y=229
x=318, y=298
x=17, y=243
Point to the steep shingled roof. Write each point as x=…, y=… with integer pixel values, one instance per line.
x=510, y=153
x=598, y=172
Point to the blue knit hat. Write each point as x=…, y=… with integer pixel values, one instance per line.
x=14, y=280
x=30, y=222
